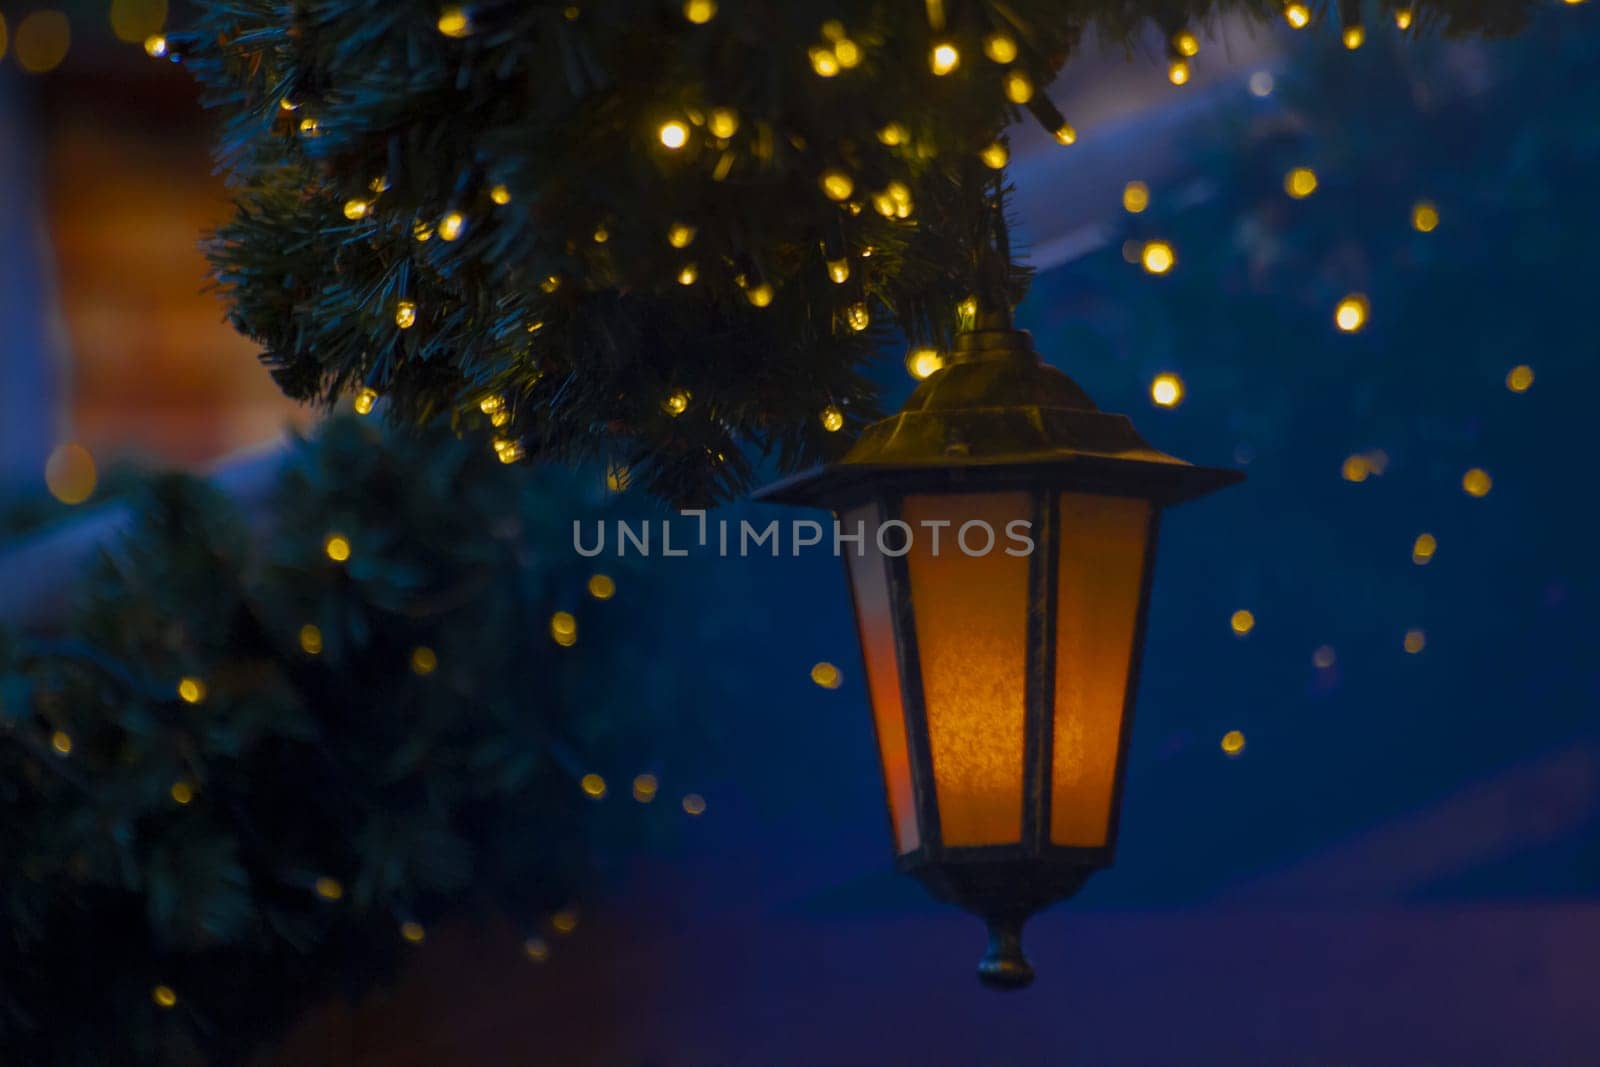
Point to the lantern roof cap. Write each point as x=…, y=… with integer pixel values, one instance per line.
x=996, y=406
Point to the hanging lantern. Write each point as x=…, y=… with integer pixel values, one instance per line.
x=1007, y=531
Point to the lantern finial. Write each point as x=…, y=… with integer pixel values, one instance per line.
x=1004, y=966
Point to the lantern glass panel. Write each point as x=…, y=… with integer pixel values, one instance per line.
x=869, y=582
x=1104, y=544
x=971, y=613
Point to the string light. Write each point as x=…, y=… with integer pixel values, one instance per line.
x=594, y=786
x=329, y=889
x=759, y=295
x=1424, y=216
x=405, y=314
x=454, y=22
x=924, y=363
x=826, y=675
x=364, y=401
x=1354, y=37
x=944, y=58
x=492, y=403
x=499, y=419
x=379, y=185
x=550, y=284
x=1300, y=182
x=1297, y=15
x=676, y=403
x=424, y=661
x=413, y=932
x=310, y=127
x=1158, y=257
x=337, y=548
x=689, y=274
x=1167, y=390
x=1520, y=378
x=893, y=135
x=645, y=788
x=191, y=690
x=700, y=12
x=673, y=134
x=694, y=804
x=1402, y=18
x=995, y=156
x=500, y=195
x=536, y=948
x=164, y=997
x=182, y=793
x=155, y=46
x=287, y=104
x=1186, y=43
x=1135, y=197
x=508, y=451
x=1352, y=312
x=70, y=473
x=564, y=921
x=1065, y=134
x=837, y=185
x=1262, y=83
x=823, y=61
x=1423, y=548
x=1178, y=72
x=564, y=629
x=832, y=419
x=847, y=52
x=1242, y=622
x=1000, y=48
x=61, y=741
x=356, y=209
x=1233, y=743
x=857, y=316
x=422, y=232
x=451, y=225
x=311, y=639
x=1355, y=469
x=839, y=271
x=680, y=235
x=1416, y=641
x=1324, y=658
x=1476, y=482
x=1019, y=87
x=602, y=586
x=723, y=122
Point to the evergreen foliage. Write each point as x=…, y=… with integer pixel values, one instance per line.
x=250, y=765
x=535, y=135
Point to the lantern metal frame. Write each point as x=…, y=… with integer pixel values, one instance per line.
x=998, y=419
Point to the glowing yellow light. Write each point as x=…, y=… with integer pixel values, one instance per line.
x=674, y=134
x=676, y=403
x=594, y=785
x=883, y=204
x=500, y=195
x=1065, y=134
x=191, y=690
x=499, y=419
x=454, y=22
x=69, y=473
x=564, y=629
x=689, y=274
x=1135, y=197
x=645, y=788
x=451, y=225
x=413, y=932
x=833, y=30
x=847, y=52
x=405, y=314
x=424, y=661
x=995, y=156
x=492, y=403
x=1178, y=72
x=836, y=184
x=823, y=61
x=564, y=921
x=832, y=419
x=1355, y=469
x=134, y=20
x=422, y=231
x=1354, y=37
x=61, y=742
x=724, y=121
x=356, y=209
x=364, y=401
x=337, y=547
x=1416, y=641
x=1233, y=743
x=1167, y=390
x=507, y=450
x=1324, y=658
x=42, y=41
x=155, y=46
x=1424, y=216
x=602, y=587
x=1243, y=622
x=1520, y=379
x=839, y=271
x=1158, y=257
x=858, y=317
x=182, y=793
x=1423, y=548
x=1186, y=43
x=310, y=127
x=329, y=888
x=967, y=310
x=1298, y=15
x=680, y=235
x=536, y=949
x=1000, y=47
x=1477, y=482
x=1402, y=18
x=700, y=12
x=826, y=675
x=1351, y=314
x=1019, y=87
x=893, y=134
x=311, y=639
x=759, y=295
x=923, y=363
x=617, y=478
x=164, y=997
x=943, y=59
x=1300, y=182
x=694, y=804
x=550, y=284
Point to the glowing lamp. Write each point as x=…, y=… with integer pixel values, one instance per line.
x=1000, y=586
